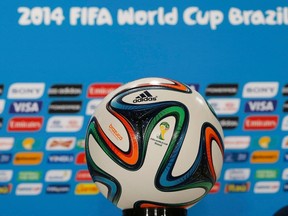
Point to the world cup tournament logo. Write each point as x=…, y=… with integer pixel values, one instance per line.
x=164, y=127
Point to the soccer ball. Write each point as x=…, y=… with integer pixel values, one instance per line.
x=154, y=143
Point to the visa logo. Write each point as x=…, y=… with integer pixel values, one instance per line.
x=260, y=106
x=25, y=107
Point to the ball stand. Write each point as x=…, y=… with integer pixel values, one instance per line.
x=155, y=212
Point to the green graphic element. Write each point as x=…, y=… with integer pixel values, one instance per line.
x=164, y=127
x=267, y=174
x=29, y=175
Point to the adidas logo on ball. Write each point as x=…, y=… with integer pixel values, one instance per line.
x=145, y=96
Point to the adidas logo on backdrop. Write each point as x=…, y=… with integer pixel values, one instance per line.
x=143, y=97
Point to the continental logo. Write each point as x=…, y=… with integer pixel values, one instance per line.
x=100, y=90
x=229, y=122
x=264, y=157
x=25, y=107
x=221, y=90
x=28, y=158
x=29, y=176
x=260, y=106
x=83, y=175
x=57, y=189
x=237, y=187
x=26, y=90
x=266, y=187
x=261, y=122
x=260, y=89
x=65, y=107
x=5, y=189
x=25, y=124
x=86, y=189
x=63, y=90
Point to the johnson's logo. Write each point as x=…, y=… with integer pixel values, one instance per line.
x=26, y=90
x=260, y=89
x=144, y=97
x=63, y=90
x=25, y=124
x=260, y=106
x=24, y=107
x=261, y=122
x=100, y=90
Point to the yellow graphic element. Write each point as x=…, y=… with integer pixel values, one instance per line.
x=28, y=158
x=86, y=189
x=265, y=156
x=28, y=143
x=164, y=127
x=264, y=141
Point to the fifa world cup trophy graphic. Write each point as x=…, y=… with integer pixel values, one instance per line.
x=154, y=147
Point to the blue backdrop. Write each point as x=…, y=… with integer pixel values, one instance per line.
x=201, y=42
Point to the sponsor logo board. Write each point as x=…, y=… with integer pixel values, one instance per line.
x=86, y=189
x=60, y=158
x=266, y=174
x=264, y=156
x=6, y=143
x=83, y=175
x=65, y=90
x=6, y=175
x=25, y=107
x=65, y=107
x=57, y=189
x=260, y=106
x=25, y=124
x=92, y=105
x=260, y=89
x=100, y=90
x=237, y=174
x=234, y=157
x=28, y=158
x=237, y=142
x=29, y=189
x=29, y=176
x=237, y=187
x=221, y=90
x=5, y=189
x=58, y=175
x=229, y=122
x=225, y=105
x=5, y=158
x=26, y=90
x=60, y=143
x=64, y=124
x=266, y=187
x=261, y=122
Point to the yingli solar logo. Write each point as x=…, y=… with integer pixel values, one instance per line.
x=261, y=122
x=100, y=90
x=25, y=124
